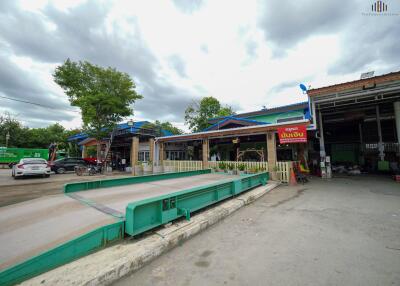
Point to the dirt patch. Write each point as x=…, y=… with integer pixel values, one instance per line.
x=206, y=253
x=203, y=264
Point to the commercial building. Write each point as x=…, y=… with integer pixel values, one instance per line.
x=358, y=123
x=129, y=142
x=345, y=127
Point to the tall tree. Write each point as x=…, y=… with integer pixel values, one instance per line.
x=198, y=113
x=18, y=133
x=104, y=95
x=168, y=126
x=24, y=137
x=158, y=126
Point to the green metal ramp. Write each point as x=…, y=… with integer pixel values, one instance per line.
x=42, y=234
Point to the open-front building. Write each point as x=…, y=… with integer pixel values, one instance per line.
x=129, y=144
x=248, y=138
x=358, y=125
x=350, y=128
x=254, y=145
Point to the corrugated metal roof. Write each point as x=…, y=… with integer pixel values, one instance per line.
x=352, y=84
x=273, y=110
x=135, y=128
x=227, y=118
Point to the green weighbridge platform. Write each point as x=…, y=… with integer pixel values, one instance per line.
x=41, y=234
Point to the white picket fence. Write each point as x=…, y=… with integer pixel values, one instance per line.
x=248, y=165
x=181, y=166
x=282, y=168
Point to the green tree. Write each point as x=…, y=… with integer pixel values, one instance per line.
x=168, y=126
x=198, y=113
x=42, y=137
x=104, y=95
x=24, y=137
x=158, y=126
x=18, y=133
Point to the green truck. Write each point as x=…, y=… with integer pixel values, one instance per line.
x=12, y=156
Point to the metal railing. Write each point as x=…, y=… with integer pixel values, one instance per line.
x=387, y=146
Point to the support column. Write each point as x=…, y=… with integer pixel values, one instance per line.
x=271, y=151
x=134, y=153
x=314, y=115
x=322, y=154
x=84, y=152
x=381, y=148
x=151, y=150
x=361, y=160
x=151, y=153
x=397, y=119
x=162, y=153
x=206, y=151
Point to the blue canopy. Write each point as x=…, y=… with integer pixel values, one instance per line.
x=122, y=126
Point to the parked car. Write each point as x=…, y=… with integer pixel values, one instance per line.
x=31, y=167
x=90, y=161
x=67, y=164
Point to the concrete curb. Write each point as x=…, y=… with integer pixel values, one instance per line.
x=108, y=265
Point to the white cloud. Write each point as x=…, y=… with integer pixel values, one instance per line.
x=178, y=52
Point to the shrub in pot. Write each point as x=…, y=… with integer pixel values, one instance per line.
x=139, y=169
x=241, y=168
x=148, y=167
x=222, y=166
x=230, y=168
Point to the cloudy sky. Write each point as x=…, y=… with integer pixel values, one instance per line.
x=248, y=54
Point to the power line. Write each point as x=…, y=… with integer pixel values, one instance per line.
x=38, y=104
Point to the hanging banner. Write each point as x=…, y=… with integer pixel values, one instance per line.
x=293, y=134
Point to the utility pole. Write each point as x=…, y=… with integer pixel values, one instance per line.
x=7, y=138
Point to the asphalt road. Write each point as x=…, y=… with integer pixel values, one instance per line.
x=23, y=189
x=341, y=232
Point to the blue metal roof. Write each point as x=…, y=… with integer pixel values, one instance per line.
x=136, y=125
x=133, y=129
x=227, y=118
x=268, y=110
x=77, y=137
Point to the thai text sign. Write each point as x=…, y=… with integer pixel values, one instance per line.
x=293, y=134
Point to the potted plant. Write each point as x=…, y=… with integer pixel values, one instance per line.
x=139, y=168
x=213, y=169
x=222, y=166
x=253, y=170
x=241, y=168
x=230, y=168
x=148, y=167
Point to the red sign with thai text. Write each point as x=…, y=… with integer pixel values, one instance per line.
x=293, y=134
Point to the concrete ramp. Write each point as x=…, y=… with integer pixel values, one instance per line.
x=38, y=235
x=117, y=198
x=30, y=228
